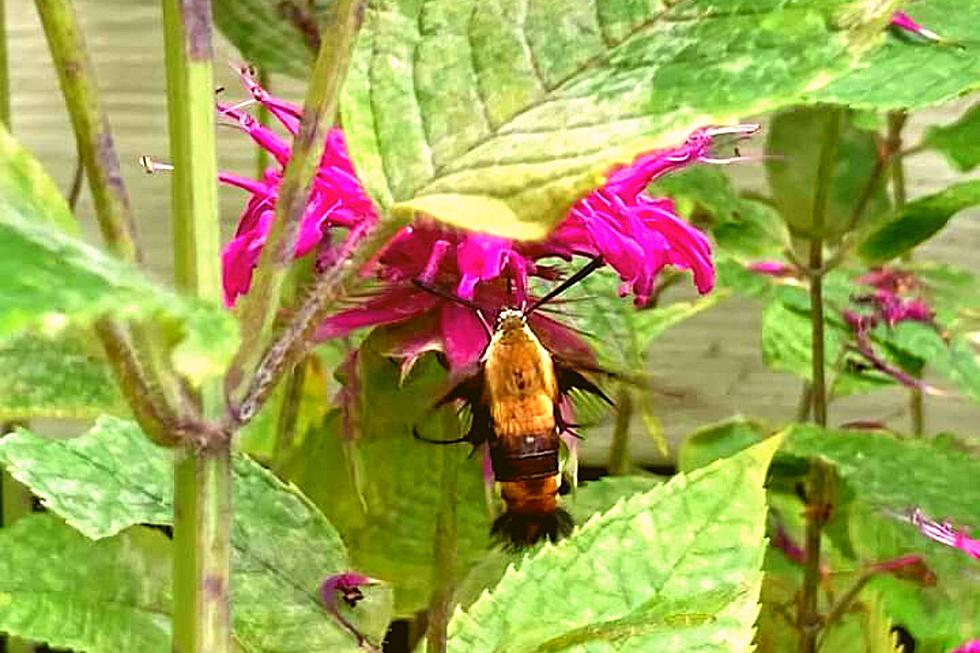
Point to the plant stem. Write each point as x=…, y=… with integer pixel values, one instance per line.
x=5, y=116
x=845, y=601
x=129, y=348
x=896, y=122
x=293, y=342
x=262, y=158
x=619, y=451
x=94, y=139
x=808, y=617
x=202, y=474
x=260, y=305
x=441, y=606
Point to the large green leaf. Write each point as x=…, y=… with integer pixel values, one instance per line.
x=955, y=359
x=715, y=441
x=666, y=570
x=49, y=279
x=959, y=141
x=541, y=97
x=894, y=475
x=917, y=221
x=62, y=377
x=279, y=36
x=282, y=547
x=910, y=73
x=795, y=140
x=60, y=588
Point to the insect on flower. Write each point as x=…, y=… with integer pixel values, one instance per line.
x=514, y=393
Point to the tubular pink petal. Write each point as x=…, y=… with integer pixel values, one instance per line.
x=903, y=21
x=463, y=337
x=395, y=304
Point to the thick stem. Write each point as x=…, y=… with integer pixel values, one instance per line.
x=260, y=305
x=202, y=474
x=202, y=550
x=808, y=616
x=619, y=450
x=441, y=605
x=896, y=122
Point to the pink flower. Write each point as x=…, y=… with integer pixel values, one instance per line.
x=973, y=646
x=903, y=21
x=635, y=234
x=425, y=263
x=888, y=304
x=345, y=587
x=944, y=533
x=337, y=199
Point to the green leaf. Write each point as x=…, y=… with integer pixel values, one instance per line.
x=380, y=494
x=279, y=36
x=917, y=221
x=102, y=482
x=959, y=142
x=795, y=139
x=955, y=359
x=664, y=570
x=26, y=189
x=743, y=228
x=787, y=337
x=282, y=547
x=540, y=98
x=49, y=279
x=64, y=377
x=893, y=475
x=60, y=588
x=716, y=441
x=910, y=73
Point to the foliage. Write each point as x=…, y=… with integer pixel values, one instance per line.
x=498, y=117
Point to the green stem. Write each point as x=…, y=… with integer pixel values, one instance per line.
x=808, y=616
x=202, y=474
x=619, y=451
x=837, y=611
x=444, y=571
x=4, y=70
x=94, y=139
x=896, y=122
x=260, y=305
x=262, y=158
x=129, y=348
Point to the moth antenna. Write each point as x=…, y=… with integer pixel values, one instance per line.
x=588, y=269
x=440, y=292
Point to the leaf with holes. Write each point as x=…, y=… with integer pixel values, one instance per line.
x=65, y=377
x=908, y=72
x=282, y=547
x=539, y=98
x=662, y=570
x=49, y=279
x=60, y=588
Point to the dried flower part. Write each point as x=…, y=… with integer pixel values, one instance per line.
x=779, y=269
x=903, y=21
x=345, y=587
x=910, y=567
x=945, y=533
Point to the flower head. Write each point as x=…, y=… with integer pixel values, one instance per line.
x=346, y=587
x=973, y=646
x=945, y=533
x=337, y=199
x=903, y=21
x=896, y=297
x=432, y=277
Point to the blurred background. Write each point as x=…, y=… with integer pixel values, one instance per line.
x=712, y=361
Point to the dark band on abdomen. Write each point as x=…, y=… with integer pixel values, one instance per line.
x=526, y=457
